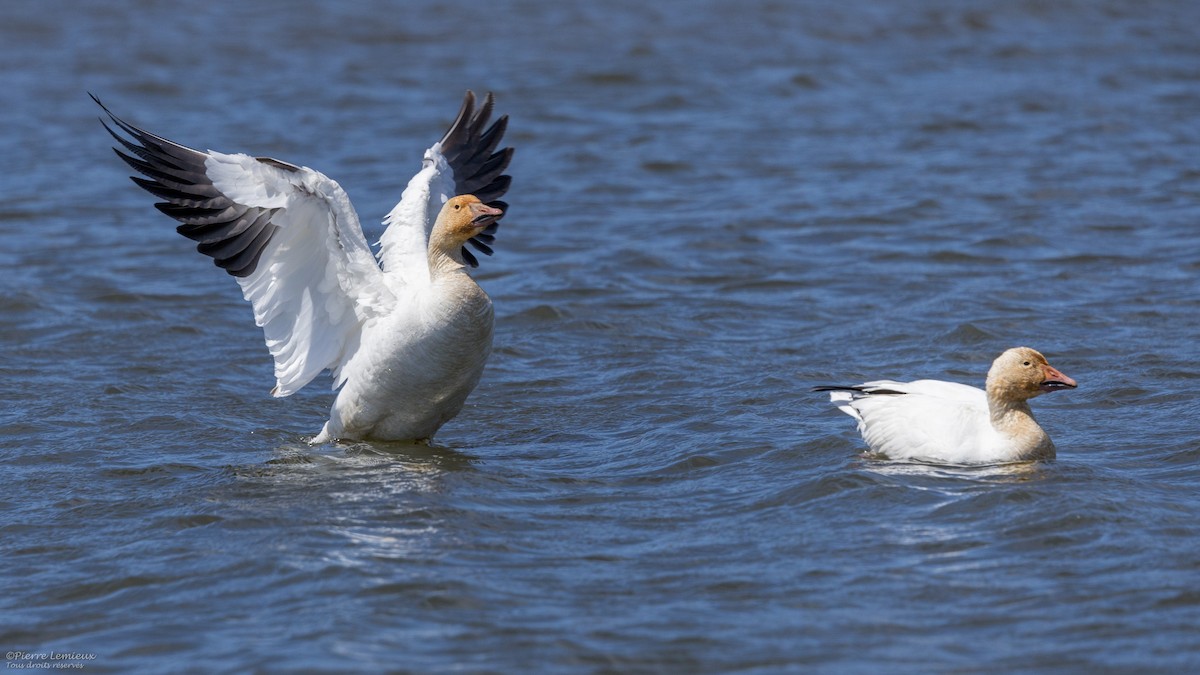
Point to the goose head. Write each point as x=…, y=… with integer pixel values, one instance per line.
x=463, y=217
x=1021, y=373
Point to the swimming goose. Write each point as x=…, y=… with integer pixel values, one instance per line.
x=406, y=338
x=951, y=423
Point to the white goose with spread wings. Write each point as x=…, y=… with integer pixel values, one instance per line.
x=406, y=342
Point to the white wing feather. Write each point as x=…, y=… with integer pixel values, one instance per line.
x=287, y=233
x=925, y=419
x=462, y=162
x=317, y=281
x=403, y=245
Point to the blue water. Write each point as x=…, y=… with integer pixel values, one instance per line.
x=715, y=206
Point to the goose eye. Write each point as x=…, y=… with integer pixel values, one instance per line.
x=1026, y=364
x=459, y=206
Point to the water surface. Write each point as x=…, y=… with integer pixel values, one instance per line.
x=715, y=206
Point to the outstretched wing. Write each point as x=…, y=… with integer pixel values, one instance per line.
x=464, y=161
x=289, y=236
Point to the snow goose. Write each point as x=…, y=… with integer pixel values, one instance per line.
x=951, y=423
x=406, y=338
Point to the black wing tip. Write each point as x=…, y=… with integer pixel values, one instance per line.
x=480, y=246
x=243, y=263
x=482, y=114
x=236, y=251
x=99, y=102
x=494, y=190
x=279, y=164
x=858, y=389
x=162, y=148
x=121, y=124
x=461, y=121
x=469, y=145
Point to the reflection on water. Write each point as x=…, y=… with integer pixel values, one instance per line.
x=987, y=473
